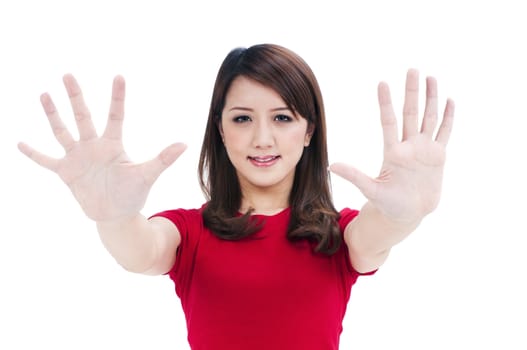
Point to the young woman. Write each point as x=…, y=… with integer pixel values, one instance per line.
x=267, y=262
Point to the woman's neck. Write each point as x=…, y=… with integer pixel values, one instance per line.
x=264, y=203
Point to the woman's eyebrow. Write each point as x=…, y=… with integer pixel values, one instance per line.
x=251, y=110
x=280, y=109
x=241, y=108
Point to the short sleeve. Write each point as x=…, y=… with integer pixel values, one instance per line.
x=189, y=223
x=346, y=216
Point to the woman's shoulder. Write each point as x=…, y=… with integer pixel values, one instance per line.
x=182, y=214
x=346, y=216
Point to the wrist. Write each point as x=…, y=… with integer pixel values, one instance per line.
x=399, y=222
x=119, y=222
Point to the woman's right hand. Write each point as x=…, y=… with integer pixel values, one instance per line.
x=99, y=173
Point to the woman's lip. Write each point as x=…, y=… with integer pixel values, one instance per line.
x=264, y=161
x=263, y=158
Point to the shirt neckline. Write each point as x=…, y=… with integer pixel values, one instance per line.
x=278, y=213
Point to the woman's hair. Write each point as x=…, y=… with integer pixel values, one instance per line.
x=313, y=216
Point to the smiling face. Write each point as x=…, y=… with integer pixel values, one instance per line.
x=264, y=139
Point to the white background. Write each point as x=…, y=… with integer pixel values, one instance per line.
x=456, y=283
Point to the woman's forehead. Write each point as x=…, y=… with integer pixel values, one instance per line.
x=248, y=93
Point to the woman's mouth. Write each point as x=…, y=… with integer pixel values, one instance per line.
x=263, y=161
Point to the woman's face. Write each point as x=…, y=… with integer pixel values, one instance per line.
x=264, y=139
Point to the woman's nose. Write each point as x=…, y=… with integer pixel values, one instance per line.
x=263, y=135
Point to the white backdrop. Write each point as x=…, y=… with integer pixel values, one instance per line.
x=456, y=283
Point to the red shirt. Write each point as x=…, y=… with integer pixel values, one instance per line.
x=261, y=292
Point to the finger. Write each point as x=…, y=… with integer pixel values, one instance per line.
x=80, y=110
x=388, y=119
x=411, y=104
x=60, y=131
x=39, y=158
x=430, y=116
x=445, y=129
x=153, y=168
x=363, y=182
x=114, y=126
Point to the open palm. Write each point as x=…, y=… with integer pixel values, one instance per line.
x=408, y=186
x=97, y=169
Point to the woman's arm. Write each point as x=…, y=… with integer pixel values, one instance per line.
x=110, y=188
x=370, y=236
x=408, y=186
x=140, y=245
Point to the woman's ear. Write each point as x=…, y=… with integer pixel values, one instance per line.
x=220, y=130
x=309, y=134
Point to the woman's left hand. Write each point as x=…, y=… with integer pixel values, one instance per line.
x=409, y=184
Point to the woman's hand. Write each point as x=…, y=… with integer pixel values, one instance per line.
x=409, y=184
x=99, y=173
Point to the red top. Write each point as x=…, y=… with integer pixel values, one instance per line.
x=261, y=292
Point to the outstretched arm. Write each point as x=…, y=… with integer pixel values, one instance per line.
x=110, y=188
x=408, y=186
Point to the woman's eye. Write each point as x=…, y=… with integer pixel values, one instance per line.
x=283, y=118
x=241, y=119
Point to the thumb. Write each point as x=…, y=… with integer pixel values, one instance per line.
x=154, y=167
x=362, y=181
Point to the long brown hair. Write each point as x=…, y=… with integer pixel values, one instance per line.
x=313, y=216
